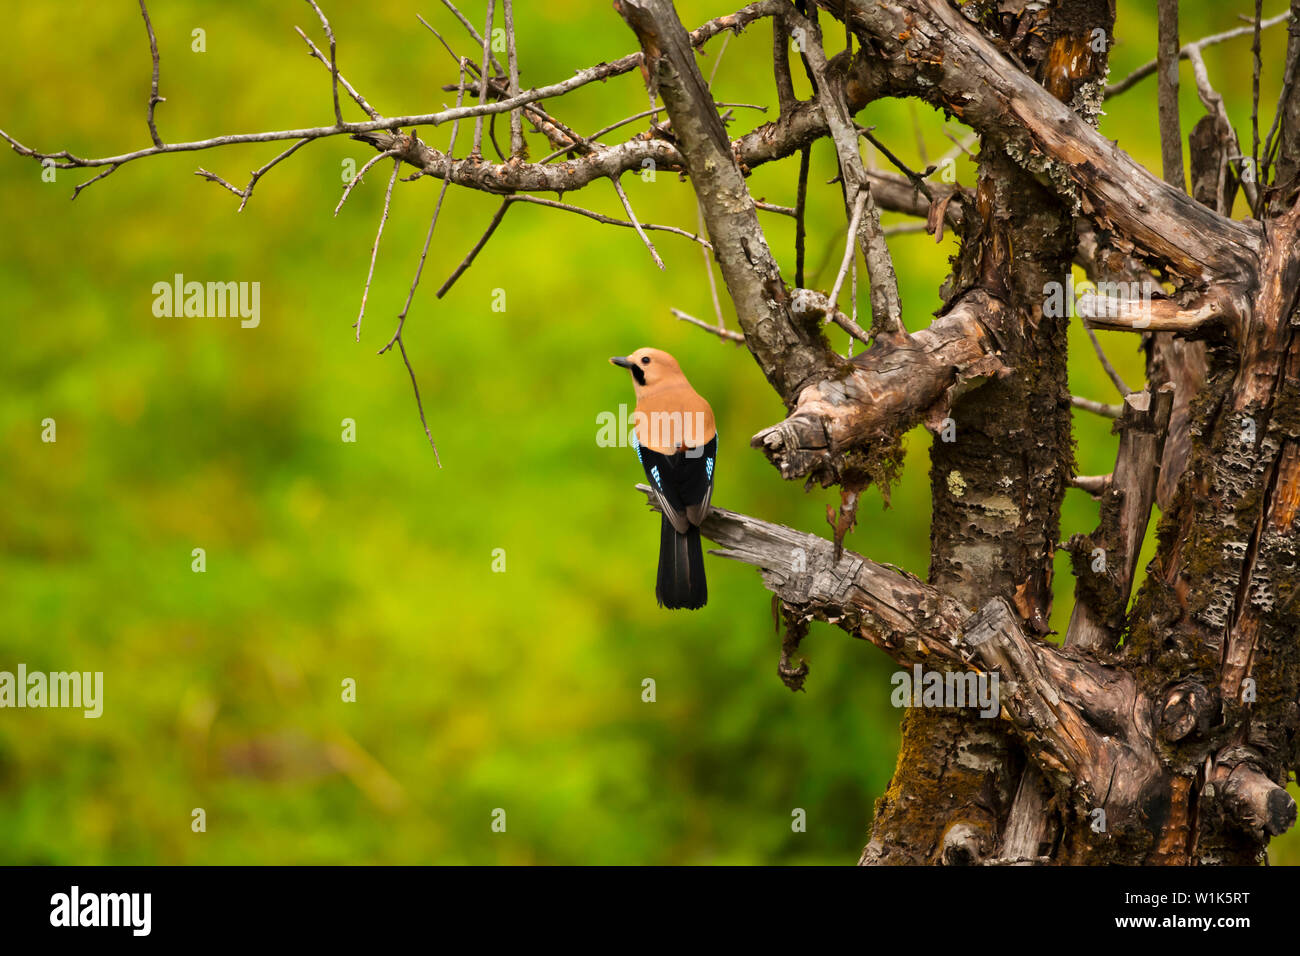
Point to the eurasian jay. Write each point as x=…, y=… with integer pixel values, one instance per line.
x=676, y=443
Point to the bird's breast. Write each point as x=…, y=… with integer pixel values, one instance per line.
x=670, y=420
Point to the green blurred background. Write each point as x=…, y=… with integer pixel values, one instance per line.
x=329, y=560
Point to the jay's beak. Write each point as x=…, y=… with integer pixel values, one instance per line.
x=620, y=361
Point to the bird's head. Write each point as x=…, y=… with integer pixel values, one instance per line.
x=649, y=367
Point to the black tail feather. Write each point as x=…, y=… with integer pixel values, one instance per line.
x=681, y=581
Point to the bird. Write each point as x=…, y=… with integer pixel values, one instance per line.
x=676, y=442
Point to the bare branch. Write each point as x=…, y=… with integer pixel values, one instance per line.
x=1063, y=709
x=374, y=250
x=705, y=245
x=1142, y=72
x=859, y=204
x=886, y=304
x=916, y=179
x=517, y=146
x=247, y=192
x=600, y=72
x=334, y=67
x=477, y=149
x=627, y=207
x=154, y=98
x=319, y=56
x=1097, y=408
x=1254, y=89
x=781, y=64
x=1105, y=362
x=725, y=334
x=1171, y=137
x=808, y=302
x=76, y=190
x=347, y=190
x=708, y=269
x=800, y=213
x=473, y=34
x=419, y=404
x=478, y=247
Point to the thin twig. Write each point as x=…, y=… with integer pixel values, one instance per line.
x=76, y=190
x=920, y=134
x=725, y=334
x=419, y=271
x=590, y=140
x=1097, y=408
x=859, y=203
x=627, y=207
x=1254, y=88
x=545, y=123
x=374, y=250
x=334, y=66
x=419, y=404
x=1288, y=77
x=473, y=33
x=717, y=61
x=582, y=78
x=800, y=211
x=853, y=299
x=517, y=147
x=347, y=190
x=1105, y=363
x=917, y=179
x=478, y=247
x=357, y=98
x=609, y=220
x=905, y=227
x=482, y=89
x=246, y=193
x=154, y=98
x=1142, y=72
x=708, y=268
x=960, y=147
x=428, y=236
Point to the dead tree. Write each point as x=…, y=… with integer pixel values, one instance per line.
x=1164, y=728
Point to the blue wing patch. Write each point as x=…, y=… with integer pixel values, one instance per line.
x=654, y=473
x=708, y=467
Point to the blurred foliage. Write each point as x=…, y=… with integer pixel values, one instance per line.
x=329, y=560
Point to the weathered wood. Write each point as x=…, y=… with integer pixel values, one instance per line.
x=887, y=390
x=963, y=73
x=1106, y=560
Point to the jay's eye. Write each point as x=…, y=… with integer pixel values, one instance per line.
x=645, y=360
